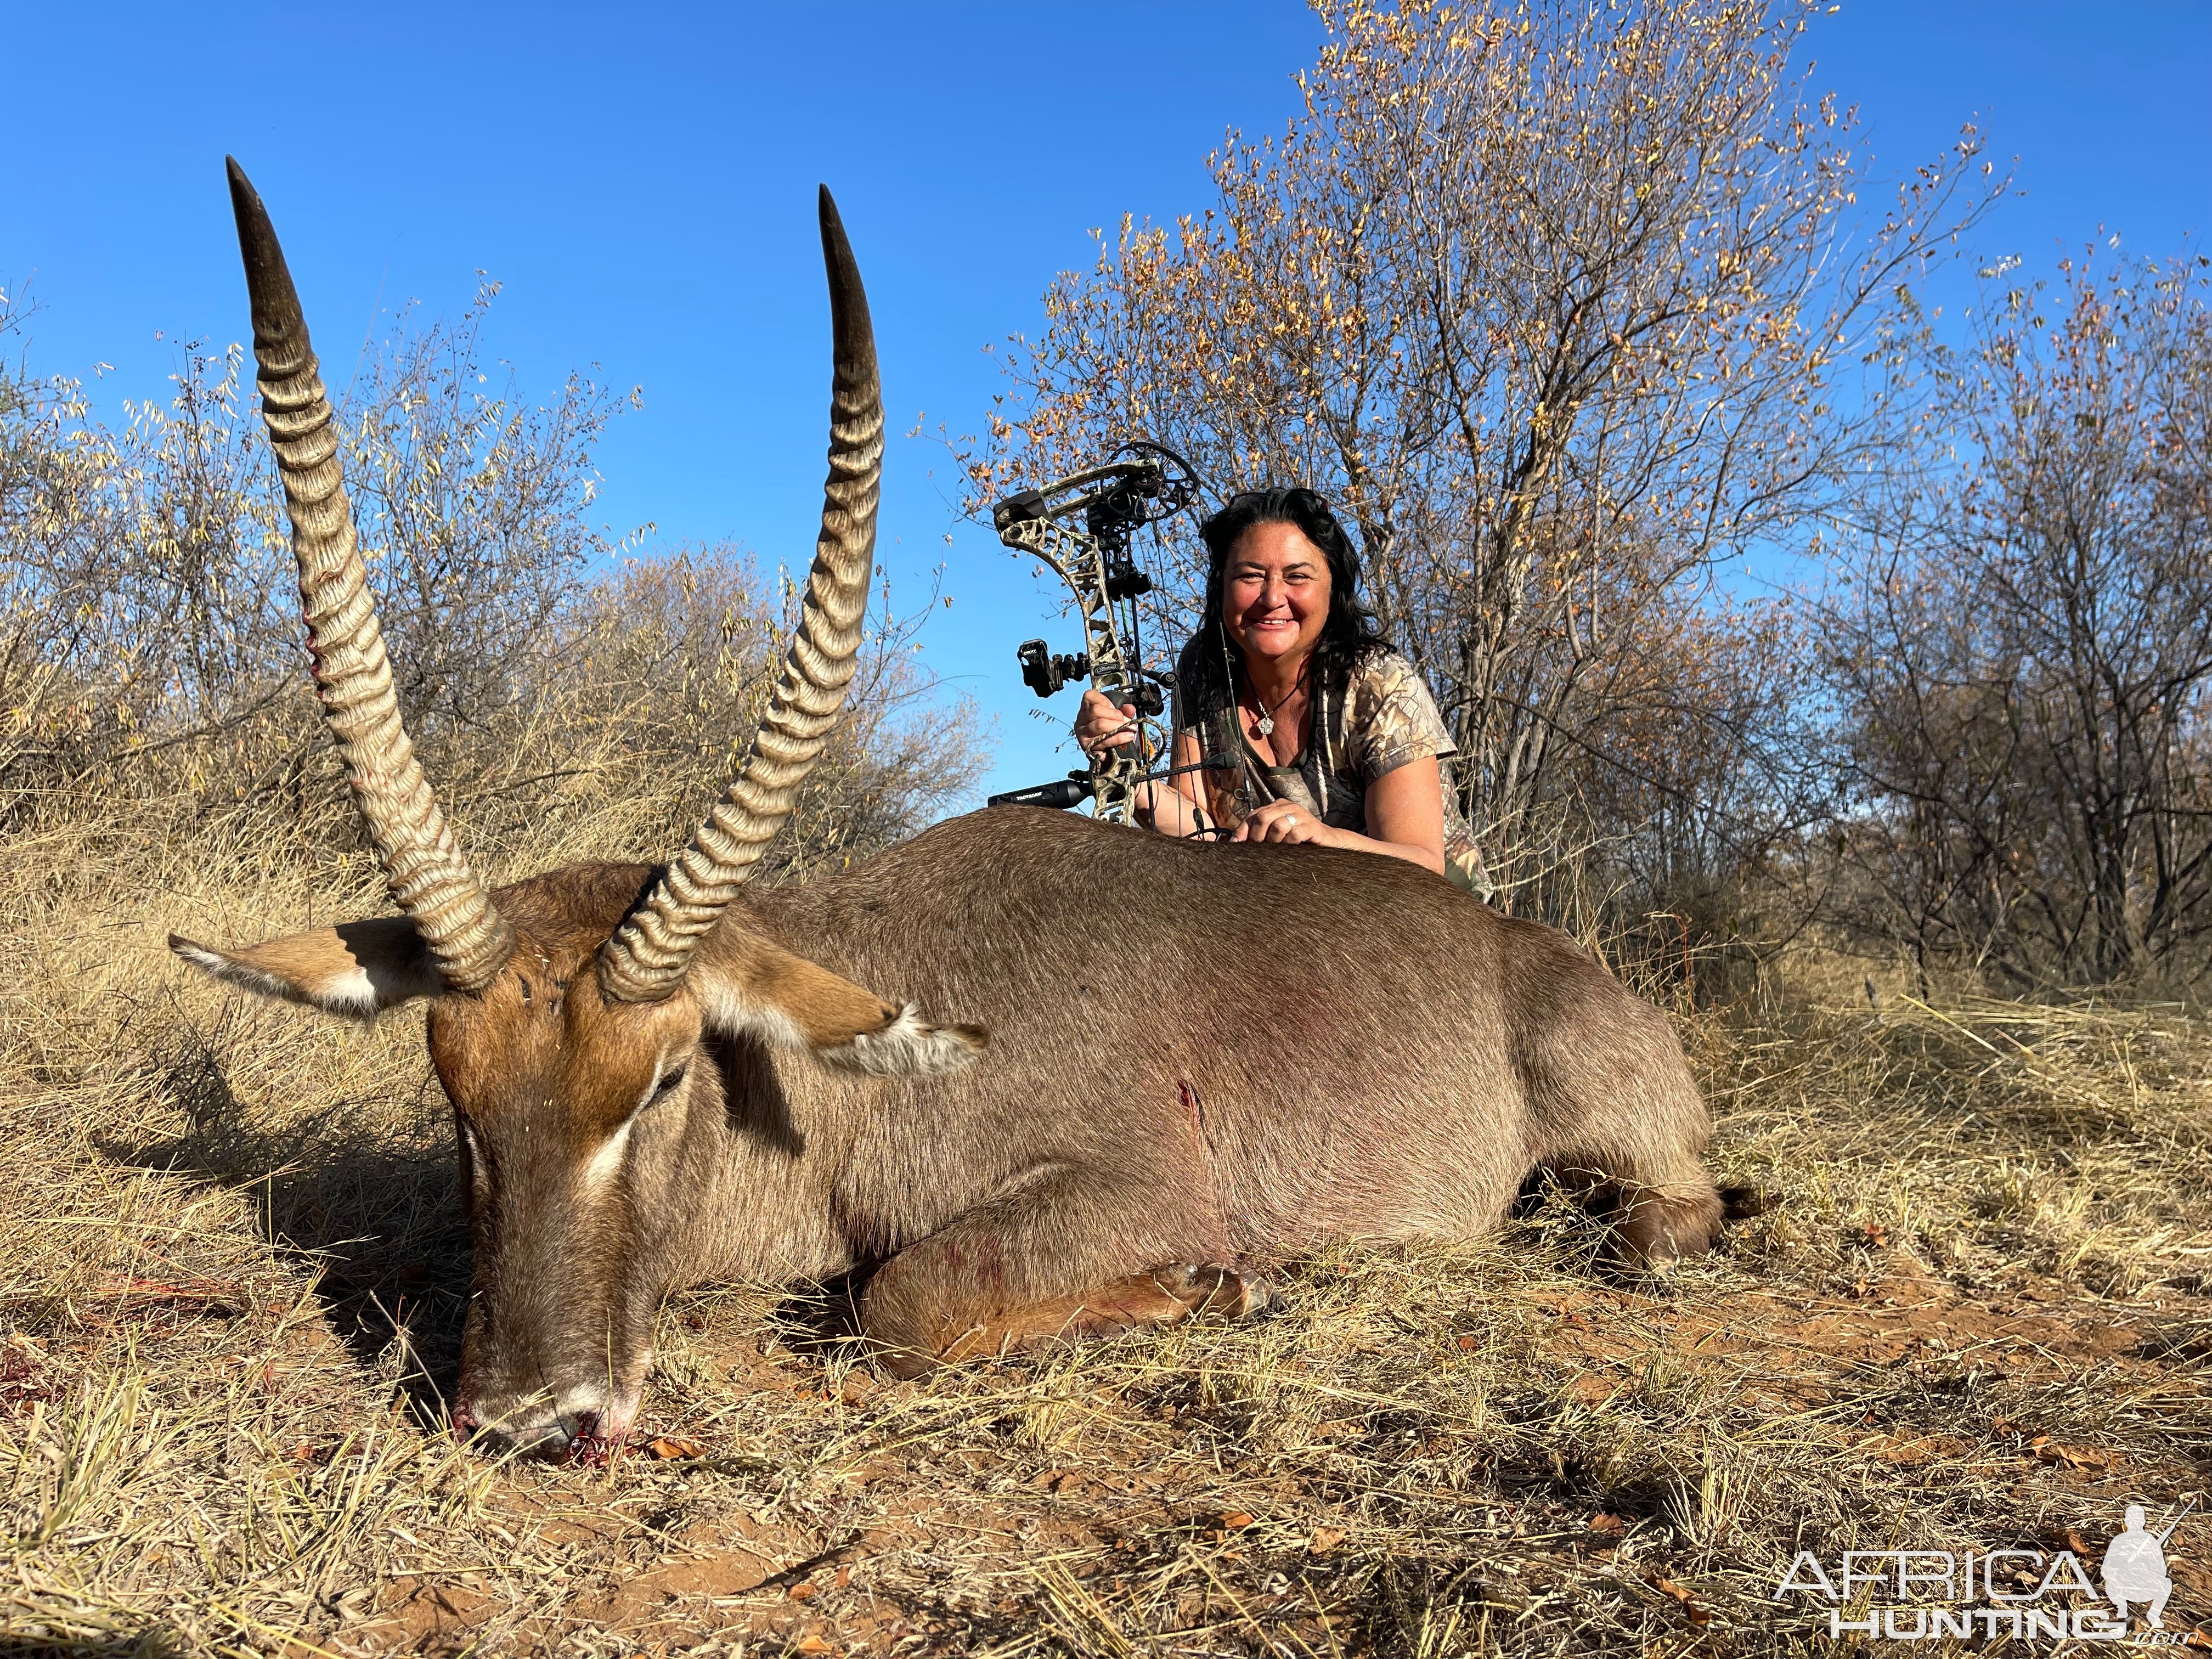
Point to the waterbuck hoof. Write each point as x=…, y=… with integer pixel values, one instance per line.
x=1222, y=1292
x=1653, y=1234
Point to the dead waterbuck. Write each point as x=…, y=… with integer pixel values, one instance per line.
x=1200, y=1059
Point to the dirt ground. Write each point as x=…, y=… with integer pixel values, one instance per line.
x=1971, y=1315
x=1224, y=1562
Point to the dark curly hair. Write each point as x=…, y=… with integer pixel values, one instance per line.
x=1350, y=632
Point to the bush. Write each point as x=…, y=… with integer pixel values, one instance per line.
x=152, y=655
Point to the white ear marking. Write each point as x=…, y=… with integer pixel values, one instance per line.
x=725, y=1010
x=351, y=993
x=906, y=1046
x=903, y=1045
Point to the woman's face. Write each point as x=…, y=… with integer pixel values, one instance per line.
x=1274, y=593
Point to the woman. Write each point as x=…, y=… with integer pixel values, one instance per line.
x=1293, y=721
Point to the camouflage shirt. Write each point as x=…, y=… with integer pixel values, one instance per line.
x=1385, y=718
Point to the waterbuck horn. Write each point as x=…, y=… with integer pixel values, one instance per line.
x=646, y=958
x=430, y=881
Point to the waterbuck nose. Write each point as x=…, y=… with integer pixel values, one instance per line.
x=585, y=1419
x=529, y=1428
x=596, y=1418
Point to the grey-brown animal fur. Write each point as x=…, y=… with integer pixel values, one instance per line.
x=1280, y=1048
x=1137, y=1107
x=1261, y=1048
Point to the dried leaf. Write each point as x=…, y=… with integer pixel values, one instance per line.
x=2047, y=1450
x=675, y=1445
x=1325, y=1538
x=1699, y=1617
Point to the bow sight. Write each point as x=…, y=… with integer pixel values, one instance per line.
x=1081, y=525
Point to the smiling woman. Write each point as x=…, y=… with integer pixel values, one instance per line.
x=1294, y=719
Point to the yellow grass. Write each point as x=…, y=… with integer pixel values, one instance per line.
x=231, y=1274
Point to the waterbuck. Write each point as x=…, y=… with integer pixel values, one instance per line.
x=660, y=1076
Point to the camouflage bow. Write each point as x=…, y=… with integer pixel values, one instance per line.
x=1080, y=527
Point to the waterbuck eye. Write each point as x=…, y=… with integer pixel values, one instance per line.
x=671, y=1081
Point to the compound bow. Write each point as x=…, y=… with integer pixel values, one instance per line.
x=1110, y=502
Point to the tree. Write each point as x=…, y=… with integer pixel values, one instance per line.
x=1554, y=301
x=2021, y=644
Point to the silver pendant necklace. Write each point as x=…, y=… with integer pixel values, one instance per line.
x=1265, y=724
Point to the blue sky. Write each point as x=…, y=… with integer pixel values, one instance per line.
x=641, y=181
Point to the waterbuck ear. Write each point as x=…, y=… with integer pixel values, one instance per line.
x=747, y=986
x=357, y=967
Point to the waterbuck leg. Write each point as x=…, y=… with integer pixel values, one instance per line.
x=1162, y=1296
x=1658, y=1215
x=1656, y=1227
x=1070, y=1255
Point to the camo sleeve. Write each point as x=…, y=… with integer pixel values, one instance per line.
x=1391, y=719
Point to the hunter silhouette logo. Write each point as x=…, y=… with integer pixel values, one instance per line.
x=2135, y=1567
x=1925, y=1595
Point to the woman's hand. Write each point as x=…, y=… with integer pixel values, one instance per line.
x=1280, y=821
x=1101, y=729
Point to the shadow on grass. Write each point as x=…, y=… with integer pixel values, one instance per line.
x=149, y=1643
x=377, y=1213
x=821, y=1322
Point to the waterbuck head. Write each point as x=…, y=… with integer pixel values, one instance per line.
x=574, y=1019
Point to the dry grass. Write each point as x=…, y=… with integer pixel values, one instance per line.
x=230, y=1277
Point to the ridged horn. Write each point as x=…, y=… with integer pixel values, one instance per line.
x=646, y=958
x=430, y=881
